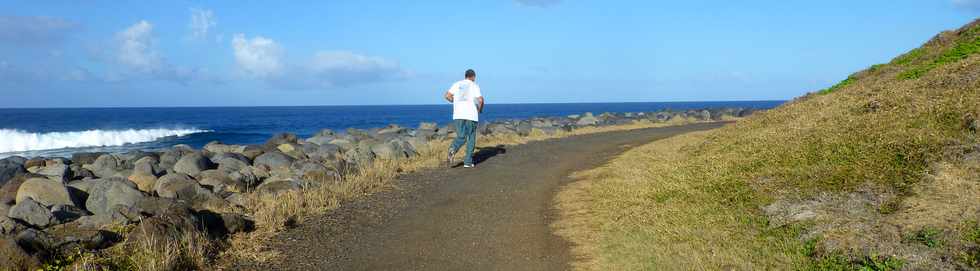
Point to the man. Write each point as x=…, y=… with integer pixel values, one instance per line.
x=467, y=106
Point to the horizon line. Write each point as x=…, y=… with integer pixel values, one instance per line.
x=369, y=105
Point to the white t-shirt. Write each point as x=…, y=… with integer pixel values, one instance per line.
x=465, y=93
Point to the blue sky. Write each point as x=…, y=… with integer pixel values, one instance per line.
x=243, y=53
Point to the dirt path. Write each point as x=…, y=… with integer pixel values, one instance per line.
x=492, y=217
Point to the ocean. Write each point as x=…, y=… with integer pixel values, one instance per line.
x=63, y=131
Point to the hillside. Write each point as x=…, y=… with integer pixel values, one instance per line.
x=880, y=171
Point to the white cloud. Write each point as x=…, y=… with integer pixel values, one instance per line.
x=202, y=21
x=136, y=48
x=133, y=55
x=262, y=58
x=538, y=3
x=259, y=56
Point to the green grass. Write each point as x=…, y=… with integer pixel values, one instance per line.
x=841, y=262
x=961, y=51
x=696, y=200
x=927, y=236
x=838, y=86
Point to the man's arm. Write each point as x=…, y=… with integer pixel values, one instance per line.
x=479, y=104
x=448, y=96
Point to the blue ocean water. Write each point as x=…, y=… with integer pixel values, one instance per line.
x=62, y=131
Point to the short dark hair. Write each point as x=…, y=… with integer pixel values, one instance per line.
x=470, y=73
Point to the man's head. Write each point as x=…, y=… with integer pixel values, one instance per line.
x=470, y=74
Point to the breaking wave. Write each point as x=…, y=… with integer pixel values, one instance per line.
x=12, y=140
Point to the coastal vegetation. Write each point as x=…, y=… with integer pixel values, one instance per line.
x=183, y=208
x=878, y=172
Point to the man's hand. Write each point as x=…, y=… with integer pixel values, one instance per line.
x=449, y=96
x=479, y=104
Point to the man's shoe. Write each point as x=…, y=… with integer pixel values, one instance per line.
x=449, y=158
x=469, y=165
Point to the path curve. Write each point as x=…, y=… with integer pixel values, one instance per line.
x=492, y=217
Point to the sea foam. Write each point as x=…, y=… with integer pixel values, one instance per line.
x=12, y=140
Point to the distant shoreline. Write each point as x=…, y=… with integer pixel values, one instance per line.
x=378, y=105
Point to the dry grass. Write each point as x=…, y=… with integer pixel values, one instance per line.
x=274, y=213
x=143, y=251
x=644, y=211
x=697, y=201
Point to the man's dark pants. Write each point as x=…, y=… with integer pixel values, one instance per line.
x=465, y=133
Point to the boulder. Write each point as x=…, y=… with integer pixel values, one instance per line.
x=587, y=120
x=85, y=158
x=704, y=115
x=44, y=191
x=219, y=181
x=523, y=128
x=192, y=164
x=499, y=129
x=9, y=225
x=107, y=165
x=68, y=213
x=80, y=173
x=144, y=183
x=294, y=150
x=273, y=160
x=81, y=185
x=429, y=126
x=248, y=176
x=223, y=224
x=179, y=186
x=322, y=137
x=32, y=213
x=359, y=155
x=217, y=158
x=325, y=133
x=231, y=165
x=406, y=147
x=343, y=144
x=149, y=166
x=388, y=150
x=170, y=157
x=325, y=152
x=237, y=199
x=358, y=134
x=8, y=192
x=279, y=139
x=128, y=159
x=417, y=143
x=34, y=162
x=172, y=226
x=218, y=147
x=56, y=172
x=309, y=168
x=252, y=151
x=278, y=186
x=65, y=239
x=542, y=123
x=9, y=168
x=320, y=140
x=107, y=193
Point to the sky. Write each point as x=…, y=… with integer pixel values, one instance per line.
x=257, y=53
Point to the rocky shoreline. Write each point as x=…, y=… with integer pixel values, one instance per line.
x=51, y=207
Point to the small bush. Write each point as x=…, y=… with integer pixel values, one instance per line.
x=927, y=236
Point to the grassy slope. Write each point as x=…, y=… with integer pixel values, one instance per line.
x=843, y=178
